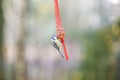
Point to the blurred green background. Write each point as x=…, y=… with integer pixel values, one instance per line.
x=92, y=38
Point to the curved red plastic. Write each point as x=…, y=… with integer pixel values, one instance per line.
x=59, y=28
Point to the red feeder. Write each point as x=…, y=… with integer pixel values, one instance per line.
x=59, y=28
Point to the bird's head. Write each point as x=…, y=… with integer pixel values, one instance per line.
x=54, y=37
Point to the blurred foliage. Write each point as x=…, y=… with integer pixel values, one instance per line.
x=1, y=41
x=99, y=50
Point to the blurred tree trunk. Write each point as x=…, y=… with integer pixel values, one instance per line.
x=20, y=62
x=1, y=41
x=117, y=66
x=14, y=11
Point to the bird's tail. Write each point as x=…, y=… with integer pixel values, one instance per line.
x=61, y=53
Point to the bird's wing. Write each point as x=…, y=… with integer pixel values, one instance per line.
x=58, y=44
x=55, y=45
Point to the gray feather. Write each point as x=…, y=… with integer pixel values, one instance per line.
x=55, y=45
x=61, y=53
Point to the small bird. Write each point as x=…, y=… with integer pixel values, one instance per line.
x=57, y=44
